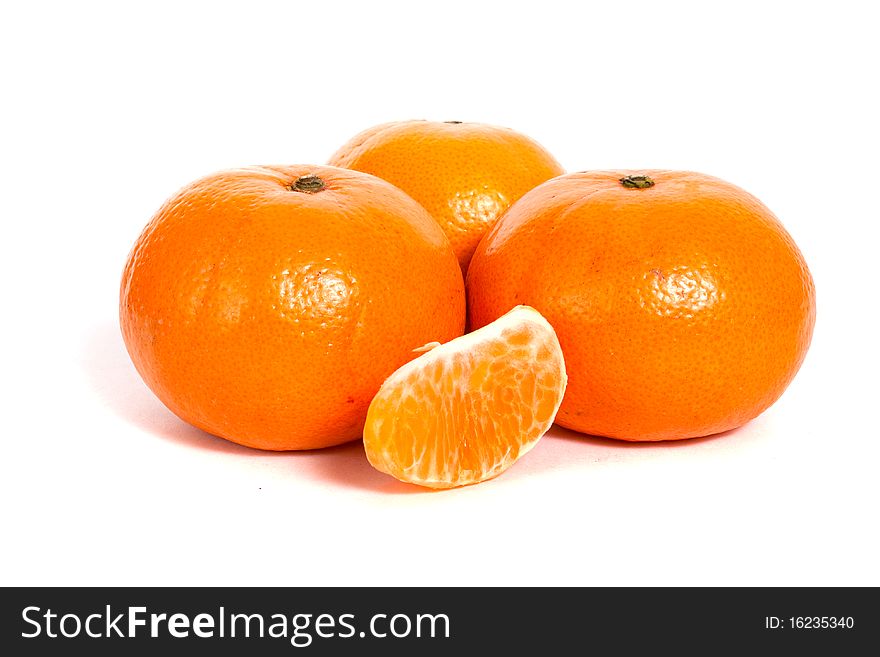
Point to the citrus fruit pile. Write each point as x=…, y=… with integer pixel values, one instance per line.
x=303, y=306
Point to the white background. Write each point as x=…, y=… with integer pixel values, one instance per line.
x=108, y=109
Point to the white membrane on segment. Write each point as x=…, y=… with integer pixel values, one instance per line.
x=515, y=317
x=519, y=316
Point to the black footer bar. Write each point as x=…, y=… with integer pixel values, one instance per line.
x=428, y=621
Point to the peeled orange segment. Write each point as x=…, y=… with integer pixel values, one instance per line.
x=465, y=411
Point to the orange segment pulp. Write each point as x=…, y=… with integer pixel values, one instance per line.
x=465, y=411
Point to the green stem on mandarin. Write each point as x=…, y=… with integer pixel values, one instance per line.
x=636, y=182
x=309, y=184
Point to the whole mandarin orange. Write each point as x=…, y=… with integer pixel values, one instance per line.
x=267, y=305
x=682, y=305
x=465, y=174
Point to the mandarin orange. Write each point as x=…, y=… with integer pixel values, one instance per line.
x=683, y=306
x=465, y=411
x=465, y=174
x=267, y=305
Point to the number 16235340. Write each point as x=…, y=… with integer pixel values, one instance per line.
x=809, y=622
